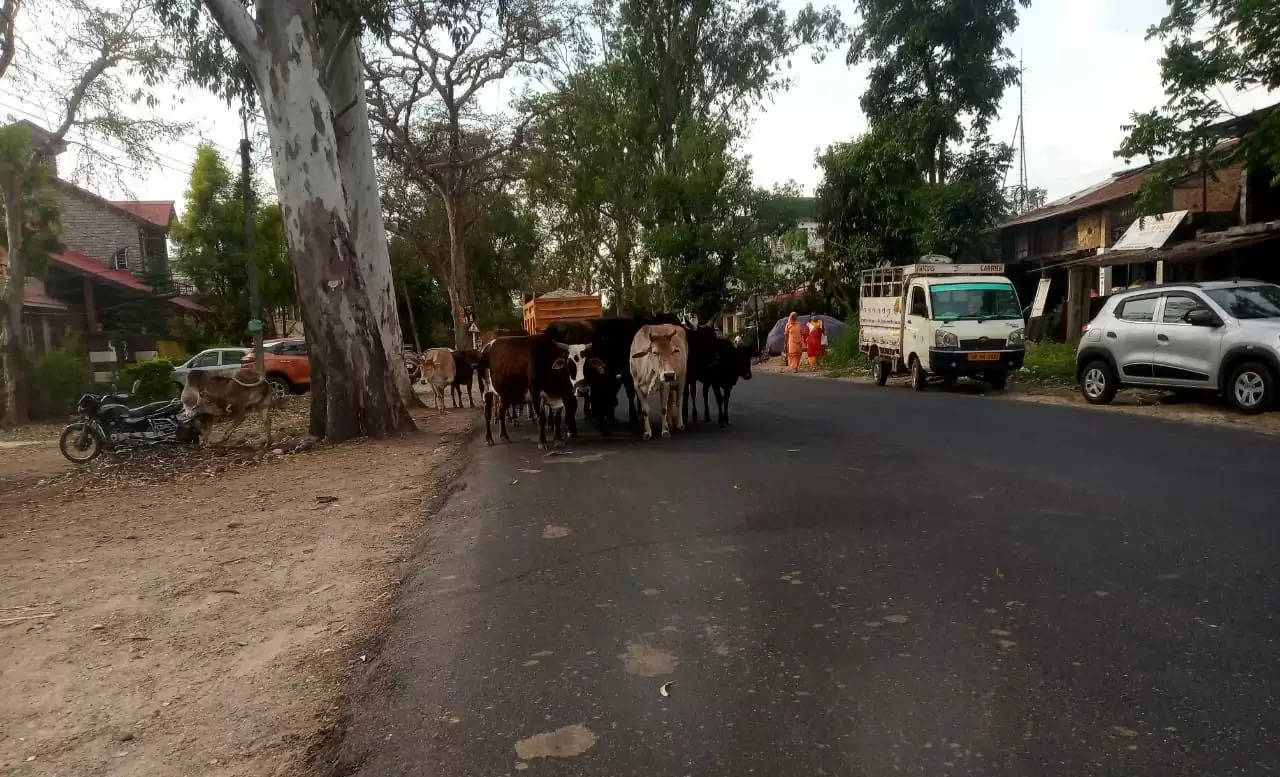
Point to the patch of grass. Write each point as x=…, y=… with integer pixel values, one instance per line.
x=843, y=357
x=1050, y=363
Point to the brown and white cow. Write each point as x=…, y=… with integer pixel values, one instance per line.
x=435, y=374
x=536, y=369
x=659, y=360
x=209, y=395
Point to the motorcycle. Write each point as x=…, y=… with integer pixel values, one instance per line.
x=105, y=422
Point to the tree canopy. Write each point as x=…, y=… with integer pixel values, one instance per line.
x=1210, y=46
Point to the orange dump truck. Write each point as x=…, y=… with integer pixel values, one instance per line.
x=560, y=305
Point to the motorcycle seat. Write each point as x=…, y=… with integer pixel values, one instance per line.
x=150, y=409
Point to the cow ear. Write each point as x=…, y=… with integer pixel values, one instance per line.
x=597, y=365
x=558, y=364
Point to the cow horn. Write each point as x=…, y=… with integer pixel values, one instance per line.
x=560, y=345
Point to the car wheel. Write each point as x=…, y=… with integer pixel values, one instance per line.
x=1098, y=383
x=1251, y=388
x=880, y=371
x=998, y=380
x=918, y=376
x=280, y=387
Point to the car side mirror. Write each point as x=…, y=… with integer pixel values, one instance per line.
x=1202, y=317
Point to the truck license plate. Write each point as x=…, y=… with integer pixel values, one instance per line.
x=984, y=356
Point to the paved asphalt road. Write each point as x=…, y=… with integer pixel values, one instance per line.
x=848, y=581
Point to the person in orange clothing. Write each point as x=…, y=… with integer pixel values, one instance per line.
x=793, y=335
x=815, y=331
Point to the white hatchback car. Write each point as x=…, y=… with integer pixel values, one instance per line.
x=210, y=360
x=1214, y=336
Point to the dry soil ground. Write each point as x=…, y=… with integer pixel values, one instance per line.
x=186, y=612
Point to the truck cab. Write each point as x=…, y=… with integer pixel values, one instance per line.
x=938, y=319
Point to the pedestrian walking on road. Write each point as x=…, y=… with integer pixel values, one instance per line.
x=814, y=346
x=794, y=338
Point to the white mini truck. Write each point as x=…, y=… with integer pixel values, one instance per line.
x=939, y=319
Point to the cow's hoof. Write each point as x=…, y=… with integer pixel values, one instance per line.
x=489, y=443
x=666, y=434
x=647, y=436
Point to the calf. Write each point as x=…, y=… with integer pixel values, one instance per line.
x=208, y=395
x=464, y=363
x=659, y=360
x=435, y=373
x=535, y=367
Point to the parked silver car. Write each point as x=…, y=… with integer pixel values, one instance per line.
x=1220, y=336
x=210, y=360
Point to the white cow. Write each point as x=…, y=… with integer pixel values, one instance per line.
x=659, y=360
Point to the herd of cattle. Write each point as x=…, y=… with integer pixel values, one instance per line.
x=589, y=360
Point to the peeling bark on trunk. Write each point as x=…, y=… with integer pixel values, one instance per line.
x=344, y=296
x=15, y=359
x=364, y=206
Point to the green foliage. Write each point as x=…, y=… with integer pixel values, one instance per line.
x=1210, y=45
x=210, y=249
x=876, y=204
x=1049, y=362
x=42, y=227
x=843, y=356
x=57, y=380
x=154, y=378
x=934, y=65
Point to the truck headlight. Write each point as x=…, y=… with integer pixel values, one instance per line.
x=944, y=339
x=1018, y=337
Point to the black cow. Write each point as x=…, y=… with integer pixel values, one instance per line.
x=464, y=364
x=702, y=353
x=537, y=367
x=729, y=363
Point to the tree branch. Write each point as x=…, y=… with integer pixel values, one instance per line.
x=8, y=38
x=240, y=29
x=346, y=34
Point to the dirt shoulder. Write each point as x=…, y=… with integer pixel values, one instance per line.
x=197, y=616
x=1155, y=404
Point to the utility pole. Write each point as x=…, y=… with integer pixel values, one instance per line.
x=251, y=256
x=1022, y=139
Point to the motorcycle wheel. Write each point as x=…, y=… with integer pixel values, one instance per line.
x=79, y=443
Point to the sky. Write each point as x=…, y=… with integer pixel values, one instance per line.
x=1087, y=67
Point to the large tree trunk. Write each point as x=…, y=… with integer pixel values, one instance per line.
x=360, y=182
x=358, y=393
x=461, y=295
x=15, y=359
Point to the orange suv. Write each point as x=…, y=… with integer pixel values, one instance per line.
x=287, y=363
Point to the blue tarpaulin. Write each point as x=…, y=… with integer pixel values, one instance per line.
x=774, y=344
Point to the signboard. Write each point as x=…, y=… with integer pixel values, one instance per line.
x=955, y=269
x=1149, y=232
x=1042, y=297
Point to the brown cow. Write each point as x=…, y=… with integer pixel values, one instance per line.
x=208, y=395
x=537, y=368
x=435, y=373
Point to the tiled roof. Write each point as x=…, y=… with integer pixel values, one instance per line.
x=158, y=212
x=87, y=265
x=1118, y=187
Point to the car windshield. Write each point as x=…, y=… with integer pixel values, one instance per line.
x=1261, y=301
x=978, y=301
